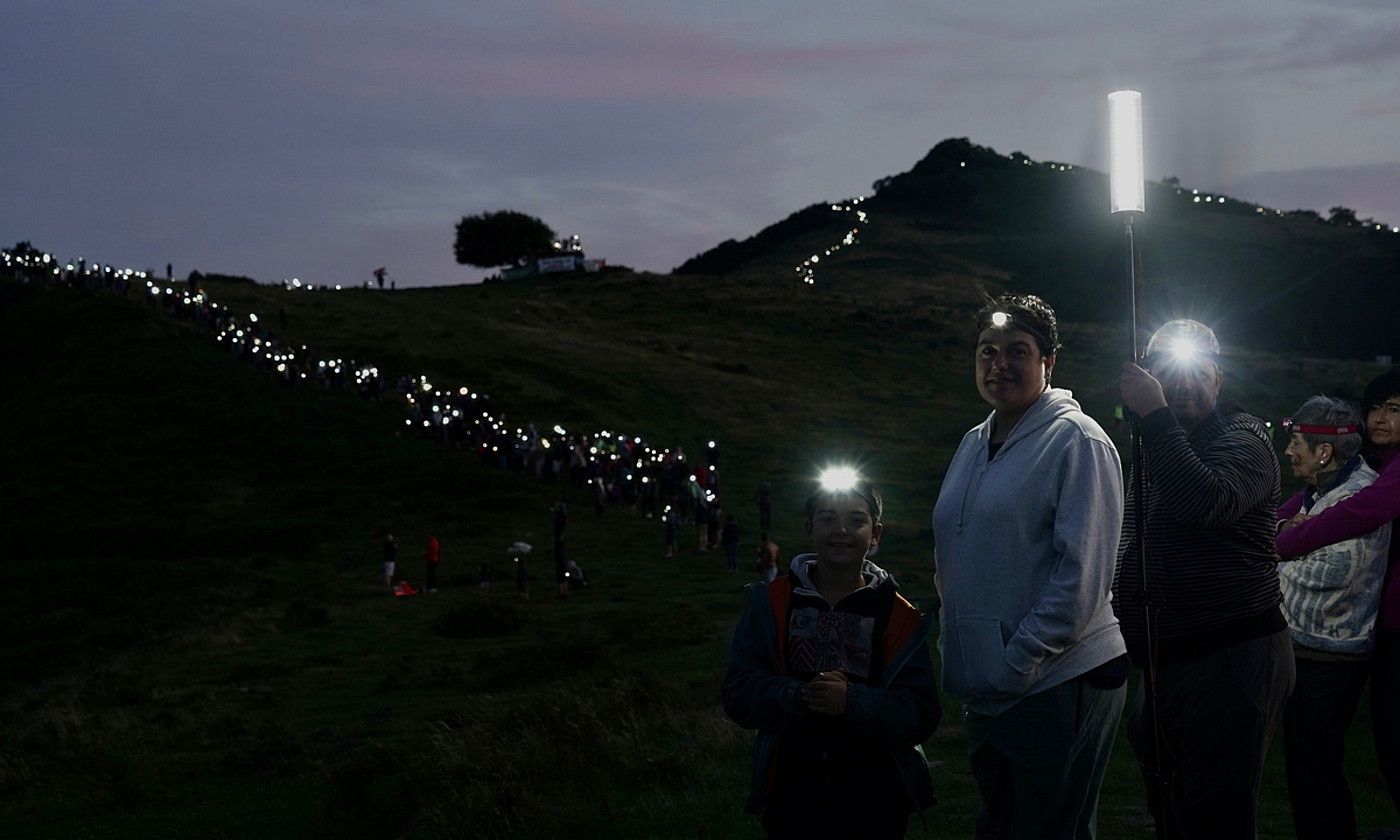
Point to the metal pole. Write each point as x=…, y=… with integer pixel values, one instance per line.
x=1165, y=770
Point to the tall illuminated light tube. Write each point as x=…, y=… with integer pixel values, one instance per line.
x=1127, y=187
x=1125, y=148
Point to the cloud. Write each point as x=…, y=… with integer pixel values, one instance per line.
x=1372, y=190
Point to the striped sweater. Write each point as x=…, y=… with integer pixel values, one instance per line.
x=1211, y=575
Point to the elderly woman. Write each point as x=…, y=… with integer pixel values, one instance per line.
x=1368, y=509
x=1331, y=597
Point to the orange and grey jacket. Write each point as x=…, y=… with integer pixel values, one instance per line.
x=895, y=714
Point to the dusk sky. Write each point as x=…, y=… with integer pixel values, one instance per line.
x=323, y=139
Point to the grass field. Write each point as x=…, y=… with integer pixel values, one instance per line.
x=197, y=642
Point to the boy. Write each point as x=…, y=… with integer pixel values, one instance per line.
x=831, y=665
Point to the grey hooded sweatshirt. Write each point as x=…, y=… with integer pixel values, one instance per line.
x=1026, y=544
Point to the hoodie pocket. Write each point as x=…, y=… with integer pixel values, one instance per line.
x=982, y=646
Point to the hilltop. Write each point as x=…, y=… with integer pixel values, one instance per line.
x=1267, y=278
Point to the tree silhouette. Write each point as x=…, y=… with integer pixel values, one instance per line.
x=491, y=239
x=1342, y=215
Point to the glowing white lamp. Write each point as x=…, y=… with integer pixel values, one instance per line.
x=1184, y=350
x=839, y=479
x=1125, y=151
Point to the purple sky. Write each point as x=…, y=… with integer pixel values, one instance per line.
x=322, y=139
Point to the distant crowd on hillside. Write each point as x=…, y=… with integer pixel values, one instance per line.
x=619, y=469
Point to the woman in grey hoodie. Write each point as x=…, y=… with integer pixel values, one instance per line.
x=1027, y=526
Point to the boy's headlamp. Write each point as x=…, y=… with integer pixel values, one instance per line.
x=838, y=479
x=1289, y=427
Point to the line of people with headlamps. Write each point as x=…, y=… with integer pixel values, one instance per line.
x=616, y=467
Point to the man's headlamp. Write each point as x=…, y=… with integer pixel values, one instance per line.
x=1182, y=343
x=1181, y=352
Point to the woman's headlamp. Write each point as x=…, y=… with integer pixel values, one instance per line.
x=1002, y=320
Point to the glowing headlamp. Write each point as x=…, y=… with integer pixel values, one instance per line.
x=1184, y=350
x=1182, y=343
x=838, y=479
x=1000, y=319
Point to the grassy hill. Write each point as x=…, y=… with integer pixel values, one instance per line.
x=1268, y=278
x=198, y=642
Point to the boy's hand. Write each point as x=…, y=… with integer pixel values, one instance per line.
x=1298, y=519
x=826, y=693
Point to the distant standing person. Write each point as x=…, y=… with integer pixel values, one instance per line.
x=767, y=558
x=518, y=551
x=391, y=555
x=431, y=556
x=561, y=521
x=730, y=540
x=169, y=272
x=702, y=526
x=379, y=276
x=712, y=520
x=765, y=506
x=672, y=526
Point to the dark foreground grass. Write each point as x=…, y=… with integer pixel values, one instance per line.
x=196, y=642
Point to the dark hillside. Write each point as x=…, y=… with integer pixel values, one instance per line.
x=1259, y=274
x=198, y=642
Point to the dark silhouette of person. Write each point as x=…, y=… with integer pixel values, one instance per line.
x=765, y=506
x=561, y=521
x=432, y=555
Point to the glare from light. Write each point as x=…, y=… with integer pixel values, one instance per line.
x=840, y=479
x=1184, y=350
x=1125, y=142
x=1000, y=319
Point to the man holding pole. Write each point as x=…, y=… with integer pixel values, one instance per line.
x=1201, y=614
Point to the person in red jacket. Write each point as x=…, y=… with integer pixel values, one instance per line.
x=432, y=555
x=1361, y=513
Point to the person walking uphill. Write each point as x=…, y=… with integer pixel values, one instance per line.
x=831, y=666
x=1026, y=526
x=391, y=556
x=729, y=538
x=1219, y=668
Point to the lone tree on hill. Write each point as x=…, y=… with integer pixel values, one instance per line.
x=491, y=239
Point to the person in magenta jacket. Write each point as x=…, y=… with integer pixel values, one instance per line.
x=1370, y=508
